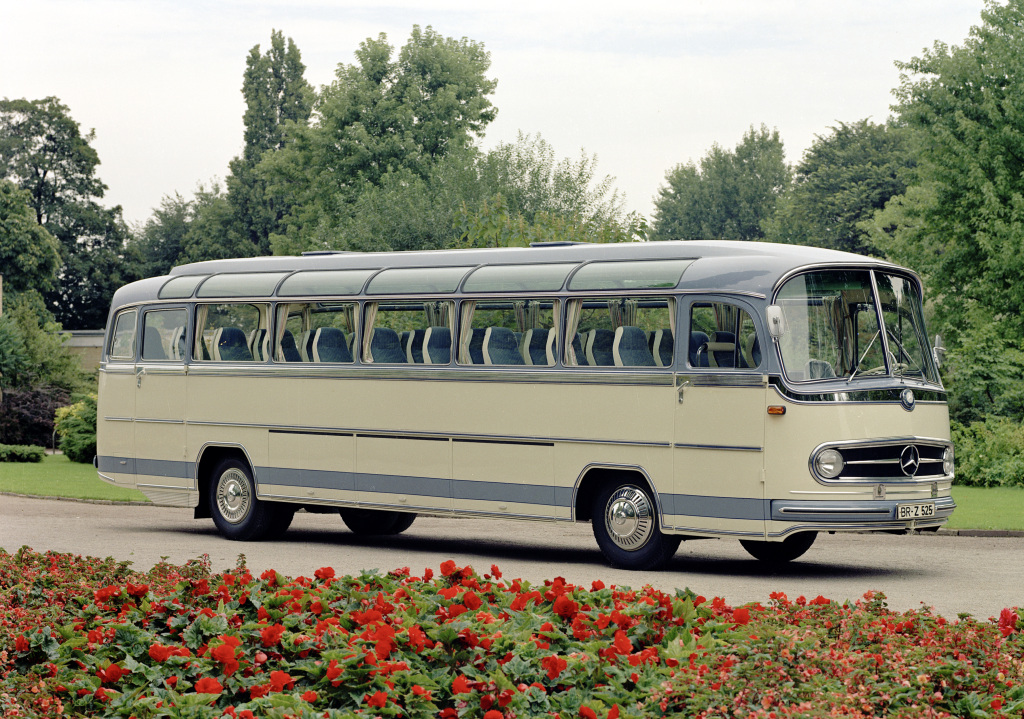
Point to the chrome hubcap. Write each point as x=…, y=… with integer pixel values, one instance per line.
x=629, y=518
x=233, y=497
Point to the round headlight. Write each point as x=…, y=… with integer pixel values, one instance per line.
x=947, y=460
x=829, y=463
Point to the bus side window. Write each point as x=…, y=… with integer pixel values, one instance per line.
x=163, y=335
x=231, y=332
x=620, y=332
x=122, y=342
x=403, y=332
x=509, y=332
x=722, y=336
x=315, y=332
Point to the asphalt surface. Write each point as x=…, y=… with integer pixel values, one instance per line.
x=952, y=574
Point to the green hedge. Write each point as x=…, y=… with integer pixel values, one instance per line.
x=21, y=453
x=989, y=453
x=76, y=425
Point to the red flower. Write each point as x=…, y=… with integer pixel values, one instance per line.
x=613, y=713
x=494, y=714
x=622, y=643
x=159, y=653
x=259, y=690
x=565, y=607
x=378, y=699
x=324, y=573
x=111, y=674
x=333, y=672
x=741, y=615
x=225, y=654
x=588, y=713
x=1008, y=622
x=21, y=643
x=208, y=685
x=137, y=590
x=309, y=696
x=102, y=595
x=461, y=685
x=554, y=665
x=279, y=681
x=448, y=568
x=495, y=572
x=271, y=635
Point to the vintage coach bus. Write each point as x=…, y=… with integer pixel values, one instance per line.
x=660, y=391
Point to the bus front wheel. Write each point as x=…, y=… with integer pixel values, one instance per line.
x=236, y=511
x=626, y=527
x=792, y=547
x=376, y=522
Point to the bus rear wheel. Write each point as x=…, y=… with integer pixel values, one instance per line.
x=792, y=547
x=626, y=527
x=376, y=522
x=238, y=514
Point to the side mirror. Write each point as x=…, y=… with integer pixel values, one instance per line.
x=938, y=351
x=776, y=321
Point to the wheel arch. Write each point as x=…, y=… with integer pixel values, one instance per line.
x=210, y=455
x=594, y=476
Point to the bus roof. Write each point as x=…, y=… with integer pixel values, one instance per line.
x=723, y=266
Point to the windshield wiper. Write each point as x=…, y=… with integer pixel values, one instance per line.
x=866, y=350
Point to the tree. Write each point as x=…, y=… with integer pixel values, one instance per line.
x=966, y=105
x=383, y=114
x=515, y=194
x=843, y=179
x=161, y=240
x=276, y=93
x=29, y=255
x=43, y=151
x=729, y=195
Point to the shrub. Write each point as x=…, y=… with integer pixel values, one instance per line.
x=76, y=425
x=989, y=453
x=26, y=415
x=21, y=453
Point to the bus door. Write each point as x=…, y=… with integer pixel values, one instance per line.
x=115, y=415
x=160, y=404
x=718, y=453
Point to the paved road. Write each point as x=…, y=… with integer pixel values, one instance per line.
x=978, y=575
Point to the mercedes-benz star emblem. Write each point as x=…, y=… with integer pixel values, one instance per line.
x=910, y=460
x=907, y=399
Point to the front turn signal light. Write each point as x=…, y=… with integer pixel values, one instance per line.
x=777, y=409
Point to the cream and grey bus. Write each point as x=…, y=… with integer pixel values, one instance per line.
x=661, y=391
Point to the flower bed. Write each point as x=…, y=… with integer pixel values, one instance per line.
x=85, y=637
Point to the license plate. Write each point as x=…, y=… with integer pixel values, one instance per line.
x=915, y=511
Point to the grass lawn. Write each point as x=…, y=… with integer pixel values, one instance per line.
x=988, y=508
x=57, y=476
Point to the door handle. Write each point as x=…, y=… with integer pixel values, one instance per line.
x=138, y=376
x=680, y=389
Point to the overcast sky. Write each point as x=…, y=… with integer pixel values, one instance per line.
x=643, y=84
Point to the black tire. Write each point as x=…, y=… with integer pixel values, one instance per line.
x=238, y=514
x=376, y=522
x=627, y=529
x=792, y=547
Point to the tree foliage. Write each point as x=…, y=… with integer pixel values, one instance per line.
x=967, y=231
x=276, y=93
x=842, y=180
x=43, y=151
x=728, y=195
x=962, y=223
x=29, y=255
x=383, y=114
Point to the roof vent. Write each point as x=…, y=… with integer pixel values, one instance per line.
x=559, y=243
x=317, y=253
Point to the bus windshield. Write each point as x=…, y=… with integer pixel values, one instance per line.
x=840, y=325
